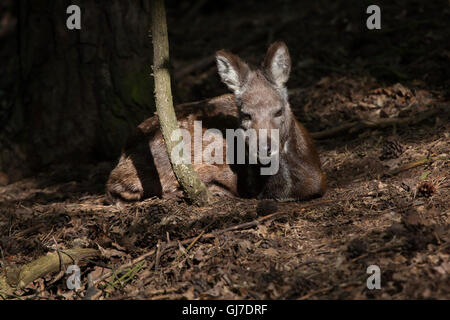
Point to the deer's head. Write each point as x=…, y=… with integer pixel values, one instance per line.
x=260, y=94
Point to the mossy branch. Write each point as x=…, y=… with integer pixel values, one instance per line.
x=14, y=279
x=193, y=187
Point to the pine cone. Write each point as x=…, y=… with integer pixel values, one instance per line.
x=391, y=149
x=425, y=189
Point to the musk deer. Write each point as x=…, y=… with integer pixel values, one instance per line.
x=259, y=101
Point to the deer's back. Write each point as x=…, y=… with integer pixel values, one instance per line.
x=144, y=168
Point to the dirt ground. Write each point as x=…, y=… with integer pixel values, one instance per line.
x=388, y=187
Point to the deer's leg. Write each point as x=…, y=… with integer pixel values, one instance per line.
x=279, y=185
x=300, y=181
x=308, y=182
x=123, y=182
x=220, y=179
x=276, y=187
x=136, y=175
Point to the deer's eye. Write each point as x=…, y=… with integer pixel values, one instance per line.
x=246, y=116
x=278, y=113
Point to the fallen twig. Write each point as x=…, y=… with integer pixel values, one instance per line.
x=125, y=266
x=333, y=131
x=203, y=63
x=413, y=164
x=20, y=278
x=314, y=292
x=172, y=296
x=256, y=222
x=190, y=245
x=371, y=124
x=158, y=254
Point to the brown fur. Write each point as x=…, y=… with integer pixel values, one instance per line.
x=144, y=169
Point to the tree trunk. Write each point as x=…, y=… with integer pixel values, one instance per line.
x=71, y=95
x=192, y=185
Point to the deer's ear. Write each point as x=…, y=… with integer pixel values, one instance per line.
x=232, y=70
x=277, y=64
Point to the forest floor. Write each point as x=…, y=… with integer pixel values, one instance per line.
x=388, y=186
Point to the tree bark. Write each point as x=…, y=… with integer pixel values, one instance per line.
x=71, y=96
x=192, y=185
